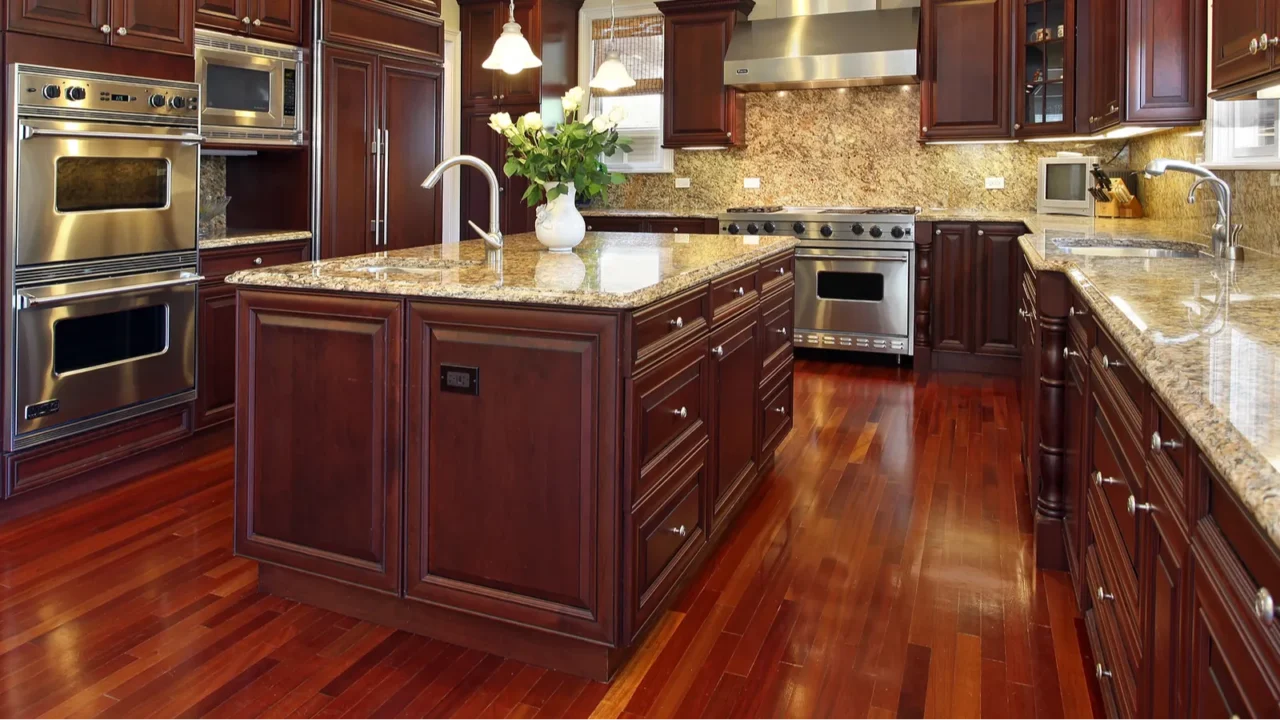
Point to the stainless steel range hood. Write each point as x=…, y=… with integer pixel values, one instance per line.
x=825, y=43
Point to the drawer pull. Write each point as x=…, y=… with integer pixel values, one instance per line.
x=781, y=410
x=1134, y=506
x=1076, y=313
x=740, y=291
x=1023, y=313
x=1264, y=606
x=1068, y=353
x=718, y=351
x=1101, y=672
x=678, y=323
x=257, y=261
x=781, y=271
x=1108, y=363
x=1159, y=444
x=782, y=331
x=106, y=29
x=1099, y=480
x=1104, y=595
x=682, y=413
x=675, y=230
x=122, y=31
x=590, y=228
x=681, y=531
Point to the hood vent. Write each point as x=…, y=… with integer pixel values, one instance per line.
x=825, y=44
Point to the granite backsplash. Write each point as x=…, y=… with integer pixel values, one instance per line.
x=213, y=185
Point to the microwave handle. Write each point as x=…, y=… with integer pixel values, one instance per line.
x=27, y=300
x=29, y=132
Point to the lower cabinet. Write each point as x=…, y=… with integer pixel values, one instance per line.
x=735, y=373
x=975, y=295
x=631, y=223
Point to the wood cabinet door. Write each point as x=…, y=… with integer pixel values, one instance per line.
x=1237, y=26
x=480, y=140
x=427, y=6
x=479, y=26
x=953, y=297
x=224, y=15
x=1167, y=46
x=517, y=215
x=734, y=384
x=411, y=95
x=320, y=435
x=158, y=25
x=1164, y=605
x=82, y=20
x=1103, y=45
x=1074, y=413
x=997, y=288
x=525, y=87
x=279, y=20
x=347, y=162
x=698, y=109
x=966, y=68
x=216, y=355
x=512, y=506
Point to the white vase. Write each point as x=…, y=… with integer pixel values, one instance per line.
x=559, y=225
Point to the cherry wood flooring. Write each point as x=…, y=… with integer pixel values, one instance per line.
x=884, y=569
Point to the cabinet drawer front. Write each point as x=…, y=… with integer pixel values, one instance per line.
x=734, y=294
x=1111, y=479
x=217, y=264
x=605, y=223
x=776, y=272
x=1114, y=654
x=677, y=225
x=1115, y=366
x=669, y=415
x=1117, y=579
x=778, y=326
x=665, y=534
x=663, y=326
x=1169, y=446
x=776, y=412
x=1110, y=697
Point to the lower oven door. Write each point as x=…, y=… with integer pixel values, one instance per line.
x=854, y=291
x=92, y=352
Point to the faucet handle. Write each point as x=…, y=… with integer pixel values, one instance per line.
x=491, y=239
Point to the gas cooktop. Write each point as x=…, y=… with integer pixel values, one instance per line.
x=816, y=225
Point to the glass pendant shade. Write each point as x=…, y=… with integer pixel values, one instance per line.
x=511, y=53
x=612, y=74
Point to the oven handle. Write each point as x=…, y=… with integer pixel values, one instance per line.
x=27, y=300
x=839, y=256
x=29, y=132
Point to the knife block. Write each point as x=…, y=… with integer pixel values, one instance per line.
x=1116, y=209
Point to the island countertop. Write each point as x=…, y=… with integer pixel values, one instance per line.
x=608, y=270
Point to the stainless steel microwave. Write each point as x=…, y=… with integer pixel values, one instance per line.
x=251, y=90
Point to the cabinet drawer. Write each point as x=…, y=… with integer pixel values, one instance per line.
x=217, y=264
x=1169, y=447
x=605, y=223
x=733, y=294
x=777, y=321
x=1118, y=578
x=1129, y=387
x=696, y=226
x=665, y=534
x=1110, y=701
x=668, y=415
x=1080, y=319
x=1119, y=666
x=1114, y=483
x=659, y=328
x=776, y=411
x=776, y=272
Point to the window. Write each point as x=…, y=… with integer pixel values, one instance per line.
x=637, y=36
x=1242, y=133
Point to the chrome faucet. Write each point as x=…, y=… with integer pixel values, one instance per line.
x=493, y=238
x=1226, y=235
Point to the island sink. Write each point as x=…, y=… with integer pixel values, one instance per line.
x=530, y=460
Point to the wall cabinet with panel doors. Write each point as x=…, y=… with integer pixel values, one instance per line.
x=382, y=137
x=383, y=26
x=155, y=25
x=1044, y=43
x=1101, y=64
x=699, y=110
x=480, y=140
x=1243, y=47
x=278, y=20
x=965, y=83
x=974, y=296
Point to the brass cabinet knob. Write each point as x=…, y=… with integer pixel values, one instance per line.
x=122, y=30
x=1158, y=443
x=1253, y=46
x=106, y=29
x=245, y=20
x=1099, y=479
x=718, y=351
x=1108, y=363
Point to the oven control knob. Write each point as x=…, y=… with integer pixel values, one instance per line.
x=770, y=227
x=177, y=103
x=857, y=229
x=76, y=93
x=897, y=232
x=826, y=231
x=733, y=228
x=876, y=231
x=157, y=101
x=799, y=228
x=752, y=229
x=52, y=92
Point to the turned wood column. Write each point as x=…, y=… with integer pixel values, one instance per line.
x=1053, y=298
x=924, y=296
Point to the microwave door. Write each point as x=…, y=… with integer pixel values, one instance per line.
x=240, y=89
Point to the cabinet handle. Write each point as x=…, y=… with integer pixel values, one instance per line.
x=740, y=291
x=675, y=229
x=1264, y=606
x=1076, y=313
x=1022, y=313
x=495, y=97
x=589, y=227
x=1108, y=363
x=106, y=29
x=781, y=271
x=245, y=20
x=781, y=331
x=682, y=413
x=718, y=351
x=780, y=410
x=981, y=233
x=1253, y=46
x=1264, y=42
x=1101, y=672
x=257, y=22
x=937, y=232
x=681, y=531
x=257, y=261
x=924, y=129
x=1134, y=506
x=122, y=30
x=1017, y=126
x=677, y=323
x=1157, y=443
x=1093, y=119
x=1273, y=41
x=502, y=97
x=1068, y=353
x=1100, y=480
x=1104, y=595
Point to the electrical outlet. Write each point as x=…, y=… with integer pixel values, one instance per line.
x=995, y=183
x=1275, y=179
x=682, y=183
x=751, y=183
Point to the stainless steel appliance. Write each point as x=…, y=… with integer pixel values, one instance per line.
x=102, y=174
x=253, y=90
x=855, y=273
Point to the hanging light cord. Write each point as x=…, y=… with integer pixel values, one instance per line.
x=512, y=12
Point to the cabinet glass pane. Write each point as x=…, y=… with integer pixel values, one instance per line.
x=1034, y=104
x=1054, y=59
x=1034, y=31
x=1053, y=106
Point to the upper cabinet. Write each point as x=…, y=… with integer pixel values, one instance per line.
x=279, y=20
x=1166, y=82
x=1245, y=35
x=157, y=25
x=480, y=26
x=698, y=109
x=1044, y=46
x=964, y=75
x=1101, y=66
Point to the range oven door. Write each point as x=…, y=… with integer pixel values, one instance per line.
x=853, y=290
x=94, y=190
x=89, y=353
x=247, y=90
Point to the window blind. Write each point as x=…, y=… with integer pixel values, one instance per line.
x=638, y=40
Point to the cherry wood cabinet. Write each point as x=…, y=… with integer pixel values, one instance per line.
x=699, y=110
x=515, y=215
x=155, y=25
x=1102, y=64
x=1236, y=52
x=481, y=24
x=953, y=318
x=1044, y=42
x=1166, y=83
x=278, y=20
x=996, y=288
x=974, y=296
x=965, y=84
x=734, y=377
x=635, y=224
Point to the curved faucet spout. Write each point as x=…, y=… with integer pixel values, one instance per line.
x=1225, y=234
x=492, y=238
x=1160, y=166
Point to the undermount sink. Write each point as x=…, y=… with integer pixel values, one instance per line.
x=421, y=267
x=1169, y=250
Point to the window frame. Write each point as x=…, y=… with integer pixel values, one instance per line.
x=1214, y=143
x=600, y=11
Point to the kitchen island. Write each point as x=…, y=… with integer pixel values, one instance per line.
x=524, y=453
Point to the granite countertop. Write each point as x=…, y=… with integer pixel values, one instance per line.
x=608, y=270
x=233, y=238
x=1203, y=332
x=642, y=213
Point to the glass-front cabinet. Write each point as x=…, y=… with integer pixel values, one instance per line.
x=1045, y=51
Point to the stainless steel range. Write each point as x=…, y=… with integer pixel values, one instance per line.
x=855, y=272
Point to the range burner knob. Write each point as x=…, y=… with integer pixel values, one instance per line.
x=177, y=103
x=769, y=226
x=897, y=232
x=857, y=228
x=52, y=92
x=876, y=231
x=826, y=231
x=733, y=228
x=752, y=229
x=157, y=101
x=799, y=228
x=76, y=93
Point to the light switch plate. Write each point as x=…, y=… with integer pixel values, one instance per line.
x=995, y=183
x=751, y=183
x=682, y=183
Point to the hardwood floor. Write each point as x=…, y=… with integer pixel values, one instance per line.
x=884, y=569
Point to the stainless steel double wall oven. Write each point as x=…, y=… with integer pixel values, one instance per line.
x=103, y=175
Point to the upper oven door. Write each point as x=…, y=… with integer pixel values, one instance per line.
x=242, y=89
x=853, y=290
x=88, y=191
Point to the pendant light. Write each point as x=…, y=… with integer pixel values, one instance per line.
x=612, y=75
x=511, y=53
